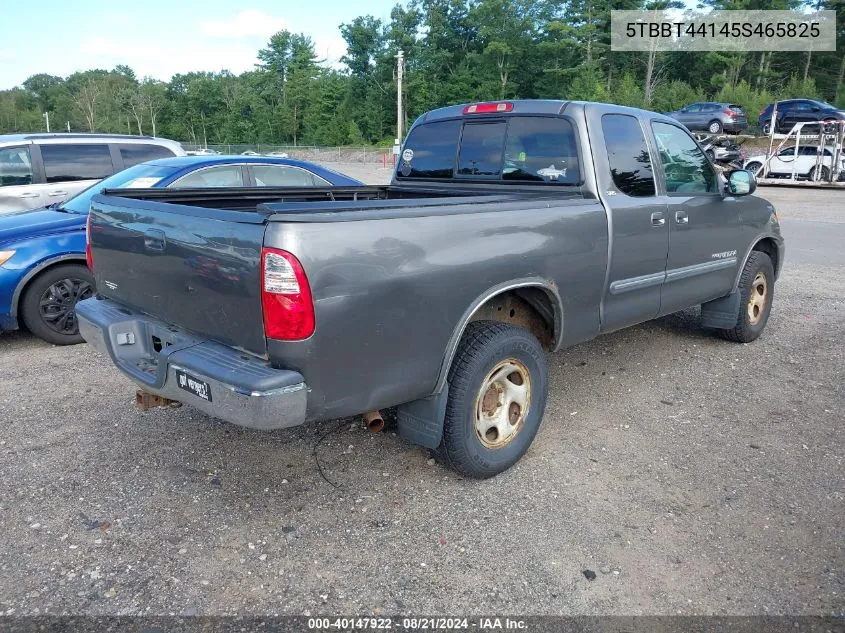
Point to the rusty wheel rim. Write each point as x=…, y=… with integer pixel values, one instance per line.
x=757, y=298
x=502, y=403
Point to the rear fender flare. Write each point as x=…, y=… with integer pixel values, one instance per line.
x=530, y=282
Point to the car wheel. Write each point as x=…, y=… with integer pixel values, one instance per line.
x=714, y=127
x=819, y=173
x=767, y=128
x=49, y=301
x=756, y=292
x=753, y=167
x=498, y=385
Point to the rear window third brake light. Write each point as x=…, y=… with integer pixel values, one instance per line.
x=488, y=108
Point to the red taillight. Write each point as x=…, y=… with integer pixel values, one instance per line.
x=762, y=111
x=285, y=297
x=487, y=108
x=731, y=113
x=88, y=257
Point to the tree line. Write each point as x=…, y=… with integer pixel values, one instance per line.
x=455, y=51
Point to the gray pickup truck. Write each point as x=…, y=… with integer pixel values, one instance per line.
x=509, y=229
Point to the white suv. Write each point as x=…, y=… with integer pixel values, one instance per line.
x=37, y=170
x=805, y=165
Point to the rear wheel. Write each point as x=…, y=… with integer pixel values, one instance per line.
x=498, y=384
x=715, y=127
x=819, y=173
x=767, y=128
x=756, y=288
x=48, y=306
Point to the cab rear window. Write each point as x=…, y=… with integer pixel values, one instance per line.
x=430, y=150
x=516, y=149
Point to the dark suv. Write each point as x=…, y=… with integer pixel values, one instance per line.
x=792, y=111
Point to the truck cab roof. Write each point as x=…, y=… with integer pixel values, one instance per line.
x=527, y=107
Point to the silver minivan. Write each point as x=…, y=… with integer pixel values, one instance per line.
x=37, y=170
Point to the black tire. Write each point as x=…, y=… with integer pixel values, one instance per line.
x=753, y=167
x=48, y=302
x=749, y=323
x=819, y=173
x=767, y=128
x=488, y=348
x=714, y=127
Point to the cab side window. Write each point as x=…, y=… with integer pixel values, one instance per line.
x=285, y=176
x=627, y=153
x=221, y=176
x=685, y=167
x=134, y=153
x=67, y=162
x=15, y=166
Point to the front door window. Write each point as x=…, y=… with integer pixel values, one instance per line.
x=685, y=167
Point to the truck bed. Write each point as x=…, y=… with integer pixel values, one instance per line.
x=269, y=201
x=192, y=258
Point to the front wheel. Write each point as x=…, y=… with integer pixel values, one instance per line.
x=756, y=292
x=753, y=167
x=48, y=306
x=498, y=385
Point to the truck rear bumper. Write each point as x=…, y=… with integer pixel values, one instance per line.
x=240, y=388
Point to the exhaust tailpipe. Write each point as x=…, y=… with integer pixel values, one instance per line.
x=374, y=421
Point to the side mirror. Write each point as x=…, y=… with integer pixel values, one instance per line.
x=740, y=183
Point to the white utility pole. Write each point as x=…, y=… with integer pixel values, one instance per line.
x=46, y=116
x=400, y=70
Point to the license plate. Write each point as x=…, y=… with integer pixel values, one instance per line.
x=193, y=385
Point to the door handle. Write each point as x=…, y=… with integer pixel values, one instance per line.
x=657, y=219
x=29, y=194
x=681, y=217
x=57, y=193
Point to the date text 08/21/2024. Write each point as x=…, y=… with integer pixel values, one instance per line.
x=416, y=623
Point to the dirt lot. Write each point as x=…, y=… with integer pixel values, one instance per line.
x=691, y=475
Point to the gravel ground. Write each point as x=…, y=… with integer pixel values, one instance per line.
x=692, y=475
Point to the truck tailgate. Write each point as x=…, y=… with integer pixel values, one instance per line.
x=195, y=268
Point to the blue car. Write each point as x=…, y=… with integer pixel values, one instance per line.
x=42, y=252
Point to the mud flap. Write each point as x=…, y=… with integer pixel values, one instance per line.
x=421, y=421
x=721, y=314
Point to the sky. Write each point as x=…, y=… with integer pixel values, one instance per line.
x=160, y=38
